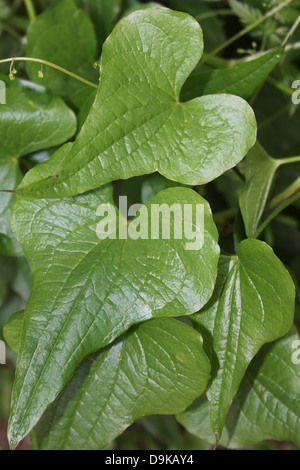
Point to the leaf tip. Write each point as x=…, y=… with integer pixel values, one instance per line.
x=14, y=434
x=13, y=441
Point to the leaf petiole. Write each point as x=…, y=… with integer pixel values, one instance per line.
x=283, y=161
x=30, y=9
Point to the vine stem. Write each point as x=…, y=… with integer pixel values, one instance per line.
x=250, y=27
x=283, y=161
x=30, y=9
x=279, y=203
x=291, y=31
x=50, y=64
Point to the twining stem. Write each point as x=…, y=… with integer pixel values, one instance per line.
x=30, y=9
x=50, y=64
x=250, y=27
x=279, y=203
x=284, y=195
x=291, y=31
x=220, y=62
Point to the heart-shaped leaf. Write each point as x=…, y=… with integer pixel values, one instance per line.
x=86, y=291
x=253, y=304
x=157, y=368
x=137, y=123
x=266, y=405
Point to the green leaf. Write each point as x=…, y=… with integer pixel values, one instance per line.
x=158, y=368
x=42, y=170
x=241, y=80
x=85, y=109
x=10, y=177
x=260, y=171
x=22, y=282
x=253, y=304
x=142, y=189
x=29, y=121
x=266, y=405
x=13, y=304
x=65, y=36
x=12, y=331
x=137, y=123
x=87, y=292
x=103, y=13
x=152, y=185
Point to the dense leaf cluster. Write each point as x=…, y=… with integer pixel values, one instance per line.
x=110, y=331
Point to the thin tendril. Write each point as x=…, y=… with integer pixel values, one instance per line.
x=50, y=64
